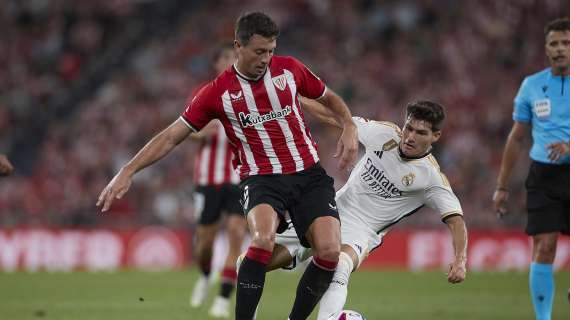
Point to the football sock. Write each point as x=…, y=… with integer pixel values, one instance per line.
x=312, y=286
x=541, y=281
x=229, y=277
x=250, y=281
x=334, y=298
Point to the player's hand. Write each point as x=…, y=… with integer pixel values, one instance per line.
x=6, y=167
x=457, y=271
x=347, y=147
x=500, y=198
x=116, y=189
x=558, y=150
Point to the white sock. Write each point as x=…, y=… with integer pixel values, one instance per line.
x=334, y=298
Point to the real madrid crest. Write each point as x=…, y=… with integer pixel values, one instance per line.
x=408, y=179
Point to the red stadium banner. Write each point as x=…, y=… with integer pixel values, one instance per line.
x=150, y=248
x=162, y=249
x=488, y=250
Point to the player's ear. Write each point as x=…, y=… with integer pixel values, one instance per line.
x=436, y=136
x=237, y=45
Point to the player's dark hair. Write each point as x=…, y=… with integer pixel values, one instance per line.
x=428, y=111
x=252, y=23
x=220, y=49
x=561, y=24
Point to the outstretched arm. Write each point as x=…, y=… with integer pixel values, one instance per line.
x=206, y=132
x=457, y=269
x=320, y=112
x=154, y=150
x=511, y=153
x=347, y=147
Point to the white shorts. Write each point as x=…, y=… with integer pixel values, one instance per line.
x=356, y=235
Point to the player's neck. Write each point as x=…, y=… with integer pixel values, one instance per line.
x=245, y=75
x=561, y=72
x=405, y=157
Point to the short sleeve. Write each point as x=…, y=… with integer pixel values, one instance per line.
x=369, y=131
x=440, y=197
x=522, y=106
x=200, y=110
x=309, y=85
x=365, y=130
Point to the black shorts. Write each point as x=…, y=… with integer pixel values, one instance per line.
x=306, y=195
x=548, y=198
x=211, y=201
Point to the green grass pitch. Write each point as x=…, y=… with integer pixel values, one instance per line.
x=377, y=294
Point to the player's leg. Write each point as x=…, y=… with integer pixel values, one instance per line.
x=334, y=298
x=205, y=237
x=280, y=259
x=317, y=224
x=546, y=218
x=263, y=222
x=541, y=278
x=208, y=211
x=236, y=228
x=324, y=237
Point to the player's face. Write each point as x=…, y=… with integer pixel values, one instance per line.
x=558, y=51
x=254, y=57
x=417, y=137
x=225, y=60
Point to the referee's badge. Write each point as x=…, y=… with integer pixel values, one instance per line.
x=280, y=82
x=542, y=108
x=408, y=179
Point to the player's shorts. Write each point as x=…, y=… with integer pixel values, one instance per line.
x=211, y=201
x=354, y=234
x=306, y=195
x=548, y=198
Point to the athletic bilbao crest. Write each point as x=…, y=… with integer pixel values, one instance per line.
x=280, y=82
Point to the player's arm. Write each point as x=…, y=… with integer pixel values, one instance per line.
x=158, y=147
x=206, y=132
x=6, y=167
x=458, y=230
x=511, y=153
x=347, y=147
x=320, y=112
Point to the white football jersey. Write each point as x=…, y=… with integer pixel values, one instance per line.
x=383, y=188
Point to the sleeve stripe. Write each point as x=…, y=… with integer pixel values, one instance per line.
x=188, y=124
x=322, y=94
x=451, y=214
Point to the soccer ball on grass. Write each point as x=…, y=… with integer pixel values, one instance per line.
x=347, y=315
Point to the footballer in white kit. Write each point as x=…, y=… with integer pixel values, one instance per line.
x=395, y=178
x=386, y=186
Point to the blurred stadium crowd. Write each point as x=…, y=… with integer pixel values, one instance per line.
x=86, y=83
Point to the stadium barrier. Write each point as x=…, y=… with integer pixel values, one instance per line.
x=162, y=249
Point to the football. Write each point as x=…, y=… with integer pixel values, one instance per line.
x=348, y=315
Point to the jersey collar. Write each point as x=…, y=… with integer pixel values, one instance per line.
x=243, y=76
x=405, y=157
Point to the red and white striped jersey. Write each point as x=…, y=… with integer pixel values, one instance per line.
x=262, y=118
x=213, y=164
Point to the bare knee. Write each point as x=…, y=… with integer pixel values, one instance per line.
x=205, y=239
x=329, y=251
x=263, y=240
x=544, y=249
x=236, y=230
